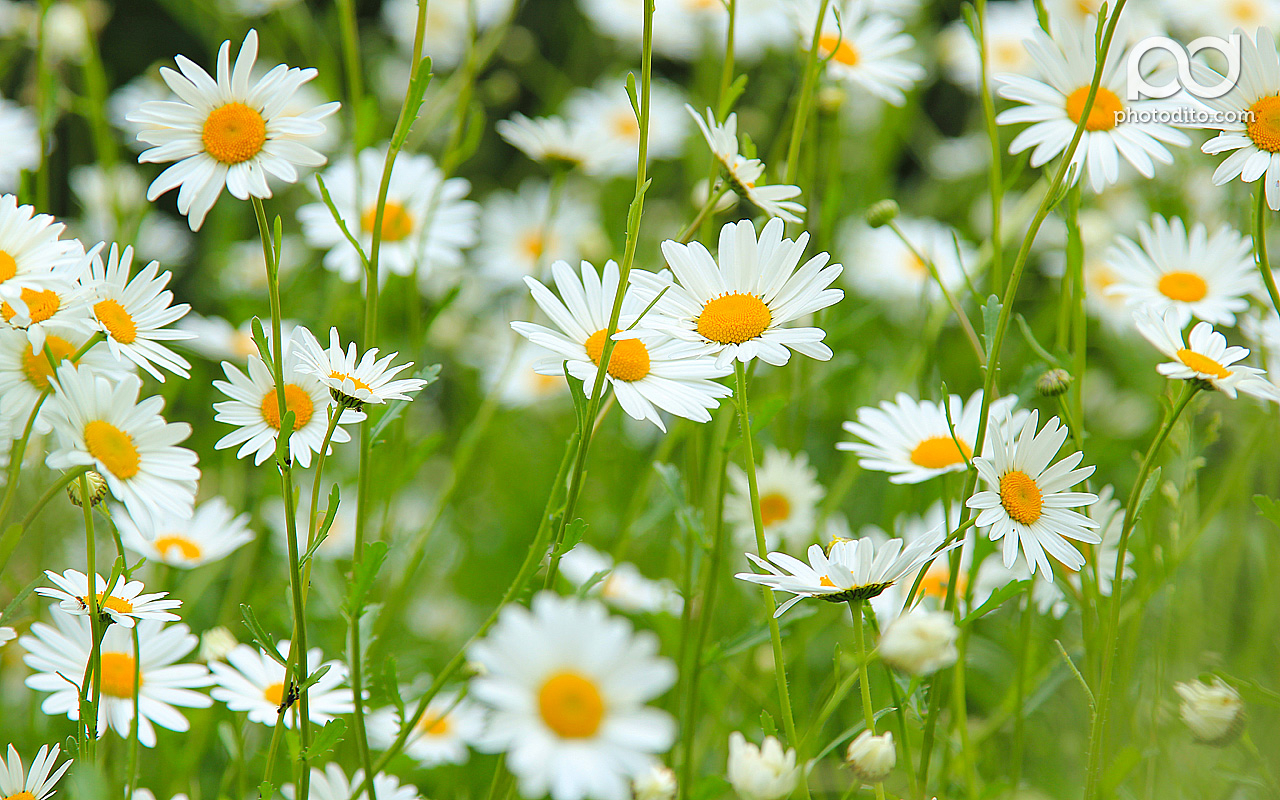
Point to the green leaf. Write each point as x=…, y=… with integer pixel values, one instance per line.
x=324, y=741
x=12, y=608
x=736, y=89
x=572, y=535
x=413, y=102
x=266, y=790
x=260, y=339
x=590, y=583
x=314, y=677
x=260, y=636
x=767, y=724
x=579, y=399
x=632, y=95
x=1153, y=480
x=1268, y=507
x=996, y=600
x=365, y=572
x=323, y=533
x=1033, y=343
x=990, y=321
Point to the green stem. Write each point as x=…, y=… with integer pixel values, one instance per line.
x=863, y=681
x=17, y=454
x=995, y=176
x=1260, y=247
x=95, y=622
x=351, y=63
x=1020, y=685
x=133, y=725
x=806, y=97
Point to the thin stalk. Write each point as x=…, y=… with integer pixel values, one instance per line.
x=806, y=97
x=95, y=622
x=1020, y=685
x=133, y=725
x=714, y=193
x=995, y=176
x=961, y=317
x=351, y=62
x=863, y=681
x=44, y=116
x=17, y=455
x=315, y=483
x=1260, y=247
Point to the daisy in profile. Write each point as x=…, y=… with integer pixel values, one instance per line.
x=1192, y=273
x=647, y=374
x=253, y=682
x=621, y=585
x=226, y=132
x=1026, y=503
x=353, y=382
x=566, y=687
x=1204, y=357
x=864, y=49
x=1055, y=106
x=888, y=270
x=744, y=173
x=31, y=249
x=21, y=135
x=59, y=656
x=25, y=372
x=100, y=424
x=332, y=784
x=212, y=533
x=912, y=439
x=739, y=307
x=789, y=495
x=447, y=729
x=552, y=140
x=37, y=784
x=522, y=232
x=125, y=604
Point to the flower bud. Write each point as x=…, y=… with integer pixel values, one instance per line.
x=920, y=642
x=882, y=213
x=1053, y=383
x=215, y=643
x=97, y=489
x=871, y=757
x=1213, y=712
x=761, y=773
x=657, y=783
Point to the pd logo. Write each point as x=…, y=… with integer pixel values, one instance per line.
x=1139, y=88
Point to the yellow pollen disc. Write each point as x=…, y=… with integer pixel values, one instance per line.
x=274, y=694
x=629, y=360
x=844, y=52
x=21, y=796
x=1185, y=286
x=1006, y=52
x=41, y=304
x=113, y=447
x=1245, y=12
x=774, y=507
x=734, y=318
x=397, y=223
x=825, y=581
x=117, y=675
x=233, y=133
x=116, y=604
x=532, y=245
x=940, y=452
x=190, y=550
x=435, y=726
x=37, y=367
x=296, y=400
x=625, y=126
x=937, y=579
x=1202, y=364
x=1102, y=117
x=118, y=322
x=8, y=268
x=1263, y=124
x=571, y=705
x=1021, y=497
x=342, y=376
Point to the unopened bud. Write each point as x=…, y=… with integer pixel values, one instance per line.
x=871, y=757
x=1213, y=712
x=657, y=783
x=215, y=643
x=1053, y=383
x=97, y=489
x=920, y=642
x=882, y=213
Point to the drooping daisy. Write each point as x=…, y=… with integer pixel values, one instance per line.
x=522, y=232
x=59, y=655
x=789, y=495
x=18, y=784
x=213, y=532
x=254, y=682
x=566, y=686
x=744, y=173
x=227, y=132
x=646, y=374
x=621, y=585
x=25, y=372
x=1055, y=104
x=30, y=248
x=549, y=139
x=1027, y=504
x=1006, y=26
x=605, y=116
x=864, y=49
x=447, y=729
x=354, y=381
x=100, y=424
x=883, y=267
x=125, y=604
x=1203, y=357
x=912, y=439
x=21, y=135
x=332, y=784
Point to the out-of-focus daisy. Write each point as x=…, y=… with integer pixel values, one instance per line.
x=352, y=378
x=18, y=784
x=1027, y=504
x=427, y=221
x=332, y=784
x=744, y=173
x=1203, y=357
x=448, y=29
x=525, y=230
x=683, y=29
x=646, y=375
x=447, y=728
x=113, y=207
x=1262, y=331
x=100, y=424
x=1055, y=105
x=883, y=267
x=19, y=132
x=567, y=686
x=658, y=783
x=740, y=307
x=31, y=251
x=123, y=605
x=621, y=585
x=766, y=772
x=605, y=115
x=1213, y=711
x=789, y=495
x=864, y=49
x=1109, y=515
x=338, y=544
x=1006, y=27
x=25, y=372
x=1192, y=273
x=227, y=132
x=522, y=385
x=216, y=338
x=254, y=682
x=912, y=439
x=59, y=656
x=549, y=139
x=7, y=635
x=258, y=8
x=213, y=532
x=1219, y=18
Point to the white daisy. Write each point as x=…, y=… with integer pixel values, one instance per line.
x=18, y=784
x=1219, y=19
x=521, y=385
x=367, y=379
x=123, y=605
x=216, y=338
x=7, y=635
x=31, y=251
x=647, y=374
x=566, y=686
x=21, y=135
x=549, y=139
x=447, y=729
x=227, y=132
x=523, y=231
x=1109, y=514
x=52, y=302
x=1006, y=26
x=332, y=784
x=789, y=495
x=59, y=656
x=25, y=373
x=101, y=424
x=890, y=271
x=448, y=29
x=744, y=173
x=213, y=532
x=621, y=585
x=605, y=116
x=1262, y=331
x=1027, y=504
x=1204, y=356
x=864, y=48
x=254, y=682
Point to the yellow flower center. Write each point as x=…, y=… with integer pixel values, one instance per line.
x=734, y=318
x=940, y=452
x=840, y=50
x=1202, y=364
x=629, y=360
x=1102, y=117
x=41, y=304
x=1021, y=497
x=274, y=694
x=118, y=322
x=342, y=376
x=296, y=400
x=1263, y=124
x=21, y=796
x=113, y=448
x=1245, y=12
x=533, y=244
x=116, y=604
x=8, y=268
x=625, y=126
x=117, y=675
x=774, y=507
x=435, y=726
x=233, y=133
x=938, y=579
x=190, y=550
x=571, y=705
x=825, y=581
x=37, y=367
x=397, y=223
x=1185, y=286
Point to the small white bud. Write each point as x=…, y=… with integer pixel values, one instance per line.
x=871, y=757
x=1213, y=712
x=657, y=783
x=761, y=773
x=215, y=643
x=920, y=642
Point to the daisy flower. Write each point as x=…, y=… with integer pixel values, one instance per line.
x=332, y=784
x=566, y=686
x=18, y=784
x=1055, y=105
x=1006, y=26
x=447, y=728
x=549, y=139
x=1204, y=357
x=123, y=605
x=60, y=654
x=523, y=231
x=890, y=271
x=621, y=585
x=353, y=382
x=1249, y=15
x=252, y=681
x=30, y=248
x=21, y=135
x=852, y=570
x=789, y=495
x=216, y=338
x=448, y=26
x=744, y=173
x=605, y=116
x=100, y=424
x=1192, y=273
x=25, y=372
x=213, y=532
x=1026, y=504
x=227, y=132
x=7, y=635
x=52, y=302
x=864, y=49
x=647, y=374
x=912, y=439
